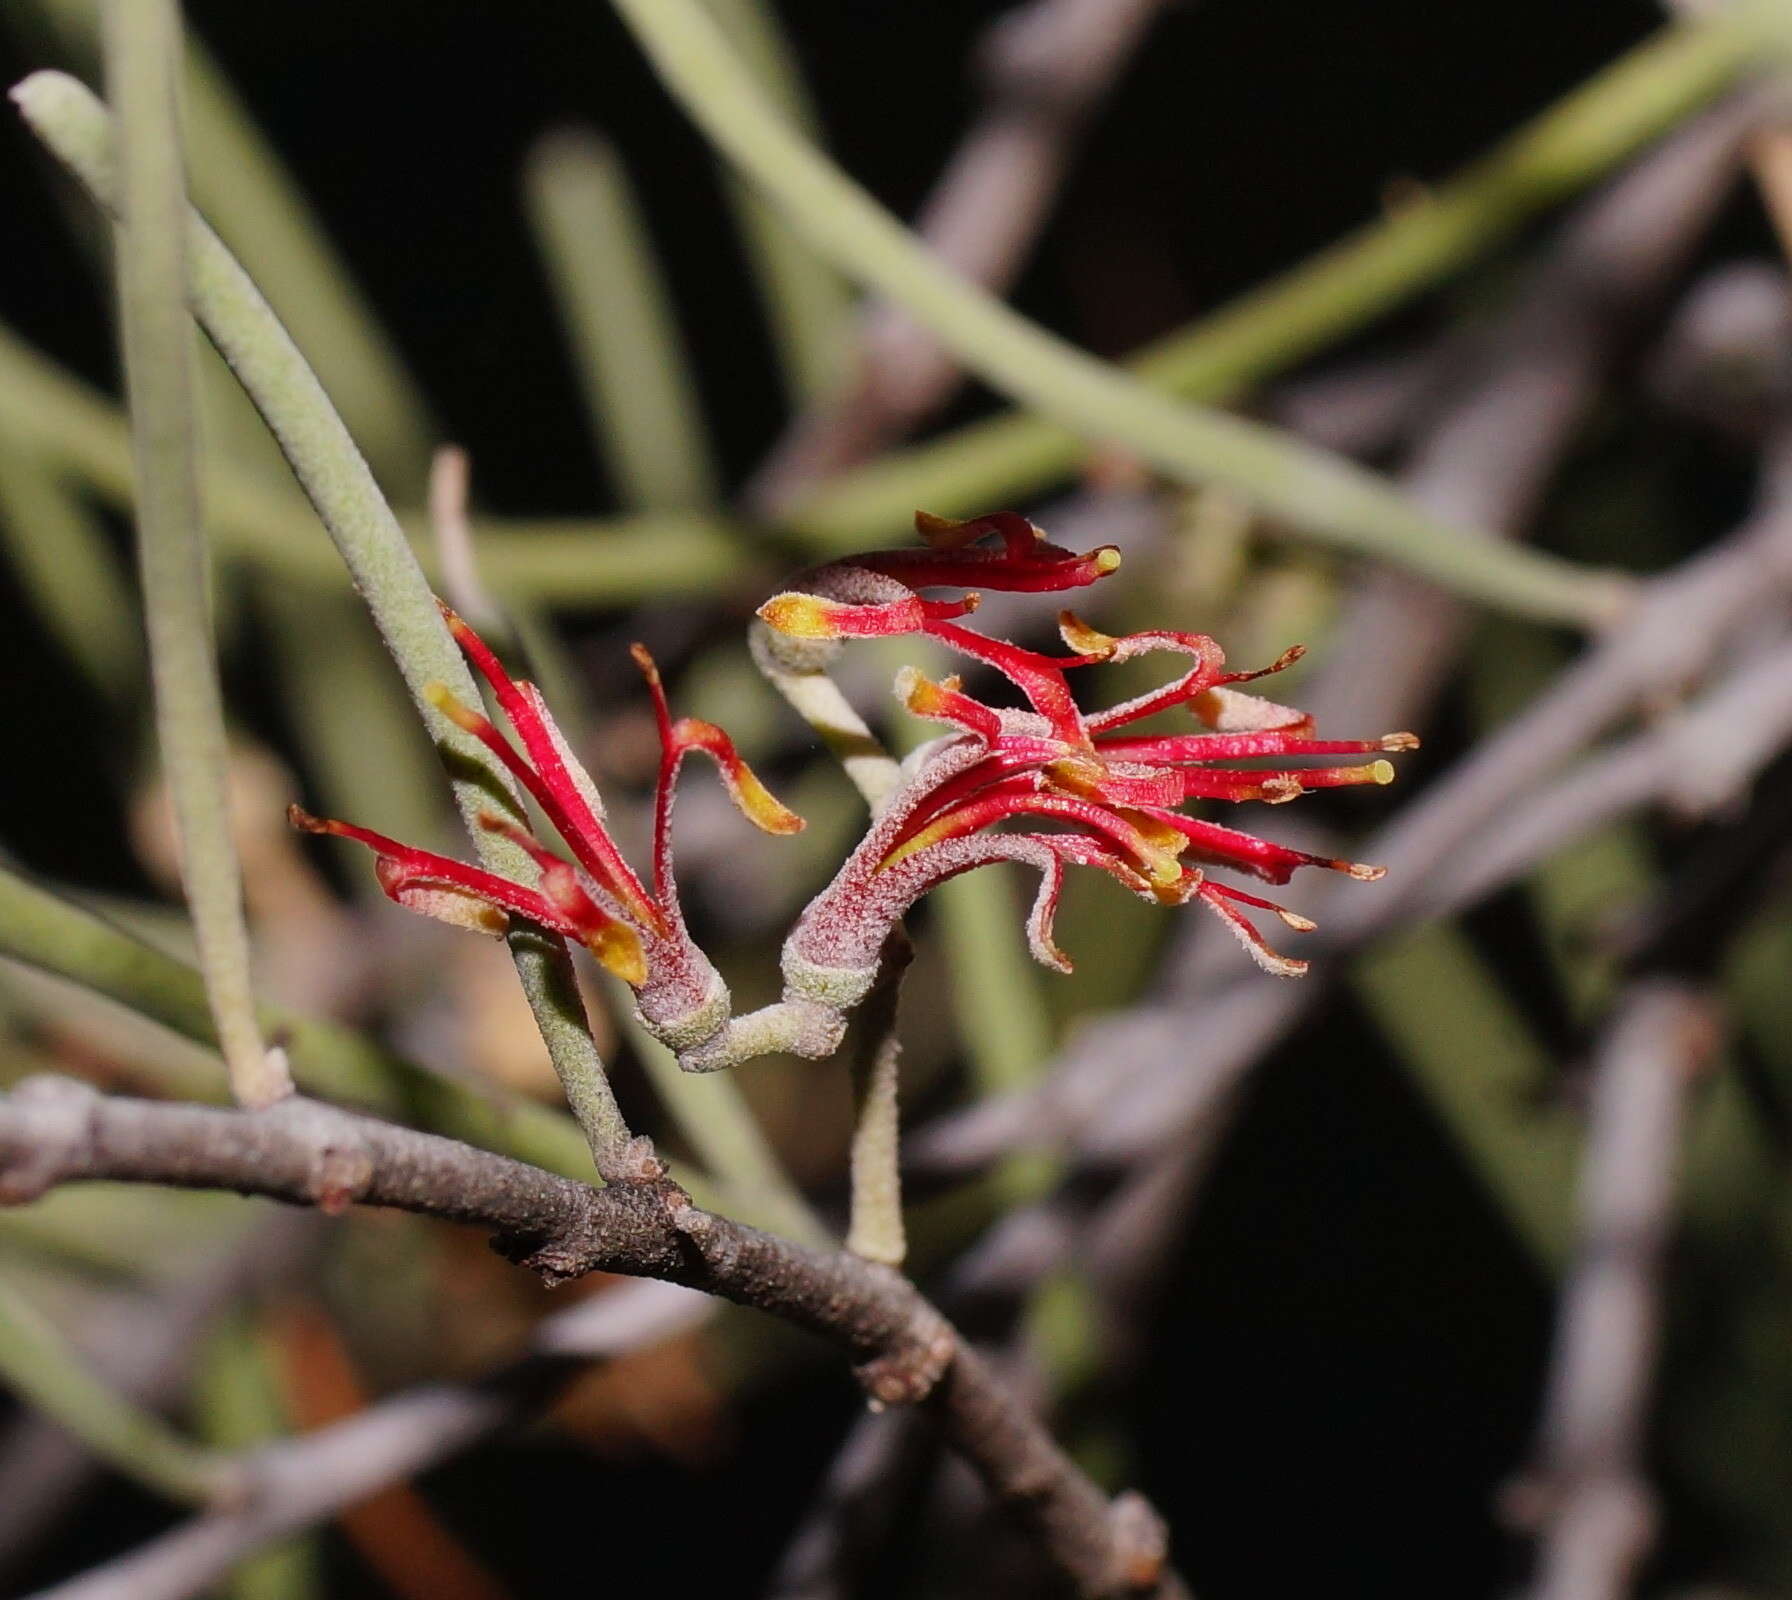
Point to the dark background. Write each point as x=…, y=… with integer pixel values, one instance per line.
x=1348, y=1359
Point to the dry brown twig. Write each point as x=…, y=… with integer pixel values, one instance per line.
x=54, y=1131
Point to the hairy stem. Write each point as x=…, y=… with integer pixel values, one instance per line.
x=339, y=485
x=143, y=53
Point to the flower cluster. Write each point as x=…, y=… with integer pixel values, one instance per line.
x=637, y=933
x=1049, y=785
x=1076, y=789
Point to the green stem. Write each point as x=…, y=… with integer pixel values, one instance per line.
x=237, y=1398
x=60, y=554
x=1324, y=299
x=587, y=562
x=335, y=478
x=36, y=1363
x=143, y=53
x=876, y=1229
x=633, y=367
x=806, y=301
x=1325, y=496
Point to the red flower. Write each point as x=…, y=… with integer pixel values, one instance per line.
x=1110, y=798
x=637, y=933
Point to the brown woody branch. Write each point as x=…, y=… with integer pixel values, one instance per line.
x=55, y=1131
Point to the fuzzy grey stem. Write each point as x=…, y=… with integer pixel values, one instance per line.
x=876, y=1231
x=335, y=478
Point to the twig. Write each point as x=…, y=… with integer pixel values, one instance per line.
x=1042, y=70
x=143, y=1355
x=300, y=1482
x=1595, y=1509
x=1324, y=298
x=54, y=1131
x=1319, y=494
x=1721, y=742
x=1614, y=256
x=143, y=44
x=285, y=390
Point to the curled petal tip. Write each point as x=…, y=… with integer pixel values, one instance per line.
x=1082, y=638
x=642, y=659
x=303, y=820
x=762, y=808
x=945, y=533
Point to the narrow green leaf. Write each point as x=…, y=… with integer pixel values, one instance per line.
x=143, y=50
x=37, y=1364
x=335, y=477
x=633, y=368
x=1324, y=299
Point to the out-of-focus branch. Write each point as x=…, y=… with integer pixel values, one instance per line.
x=1588, y=1493
x=1202, y=1031
x=1323, y=298
x=143, y=1354
x=54, y=1131
x=1323, y=496
x=300, y=1482
x=1041, y=70
x=1720, y=743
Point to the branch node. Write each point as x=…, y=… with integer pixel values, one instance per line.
x=1141, y=1543
x=907, y=1372
x=60, y=1113
x=638, y=1162
x=340, y=1169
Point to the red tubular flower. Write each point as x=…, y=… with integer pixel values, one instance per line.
x=638, y=934
x=1110, y=797
x=873, y=595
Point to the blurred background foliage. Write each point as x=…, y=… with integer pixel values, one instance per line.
x=488, y=224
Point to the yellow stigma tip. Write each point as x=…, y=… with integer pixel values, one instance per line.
x=1381, y=772
x=1107, y=559
x=802, y=616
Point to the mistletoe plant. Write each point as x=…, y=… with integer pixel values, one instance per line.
x=1049, y=785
